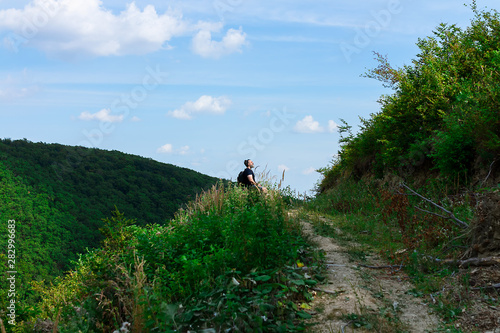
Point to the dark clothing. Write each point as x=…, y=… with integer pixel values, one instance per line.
x=247, y=172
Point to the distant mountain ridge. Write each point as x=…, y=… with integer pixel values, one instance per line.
x=86, y=184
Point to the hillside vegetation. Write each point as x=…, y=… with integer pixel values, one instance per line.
x=439, y=132
x=230, y=261
x=443, y=115
x=420, y=182
x=89, y=183
x=59, y=195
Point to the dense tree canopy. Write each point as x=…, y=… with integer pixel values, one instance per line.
x=444, y=113
x=60, y=194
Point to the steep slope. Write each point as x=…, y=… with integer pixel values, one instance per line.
x=85, y=185
x=442, y=118
x=38, y=242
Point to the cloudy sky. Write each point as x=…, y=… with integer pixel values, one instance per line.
x=205, y=84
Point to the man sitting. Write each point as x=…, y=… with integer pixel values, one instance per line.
x=248, y=177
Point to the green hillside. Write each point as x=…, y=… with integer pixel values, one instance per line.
x=71, y=189
x=419, y=181
x=418, y=184
x=43, y=239
x=443, y=115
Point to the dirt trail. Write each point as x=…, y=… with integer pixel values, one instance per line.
x=364, y=299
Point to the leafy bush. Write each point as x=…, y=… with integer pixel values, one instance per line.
x=227, y=260
x=88, y=183
x=444, y=109
x=453, y=149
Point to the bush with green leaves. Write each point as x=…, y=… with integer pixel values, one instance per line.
x=445, y=109
x=228, y=260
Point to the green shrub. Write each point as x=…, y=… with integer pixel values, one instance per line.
x=227, y=260
x=444, y=112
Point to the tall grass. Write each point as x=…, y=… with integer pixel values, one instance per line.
x=228, y=260
x=406, y=230
x=392, y=217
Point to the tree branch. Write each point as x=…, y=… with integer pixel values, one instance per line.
x=383, y=267
x=328, y=292
x=429, y=212
x=491, y=165
x=495, y=286
x=487, y=261
x=450, y=214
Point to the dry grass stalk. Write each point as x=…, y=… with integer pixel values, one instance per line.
x=207, y=200
x=2, y=326
x=140, y=281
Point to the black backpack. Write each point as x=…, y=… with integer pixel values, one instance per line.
x=241, y=177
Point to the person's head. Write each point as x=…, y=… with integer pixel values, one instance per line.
x=248, y=163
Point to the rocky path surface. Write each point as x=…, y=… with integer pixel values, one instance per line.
x=359, y=298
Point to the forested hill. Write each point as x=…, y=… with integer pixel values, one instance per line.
x=84, y=185
x=442, y=117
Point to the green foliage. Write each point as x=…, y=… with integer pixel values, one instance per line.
x=59, y=195
x=385, y=217
x=115, y=230
x=454, y=149
x=228, y=260
x=89, y=183
x=42, y=243
x=443, y=114
x=81, y=186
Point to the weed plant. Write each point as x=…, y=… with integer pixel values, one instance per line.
x=385, y=219
x=232, y=260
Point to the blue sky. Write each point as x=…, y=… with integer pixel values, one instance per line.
x=205, y=84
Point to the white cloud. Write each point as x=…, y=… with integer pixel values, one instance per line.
x=308, y=125
x=180, y=114
x=166, y=149
x=135, y=119
x=80, y=28
x=332, y=126
x=308, y=171
x=205, y=104
x=232, y=42
x=18, y=85
x=75, y=28
x=169, y=149
x=104, y=115
x=183, y=150
x=283, y=167
x=13, y=93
